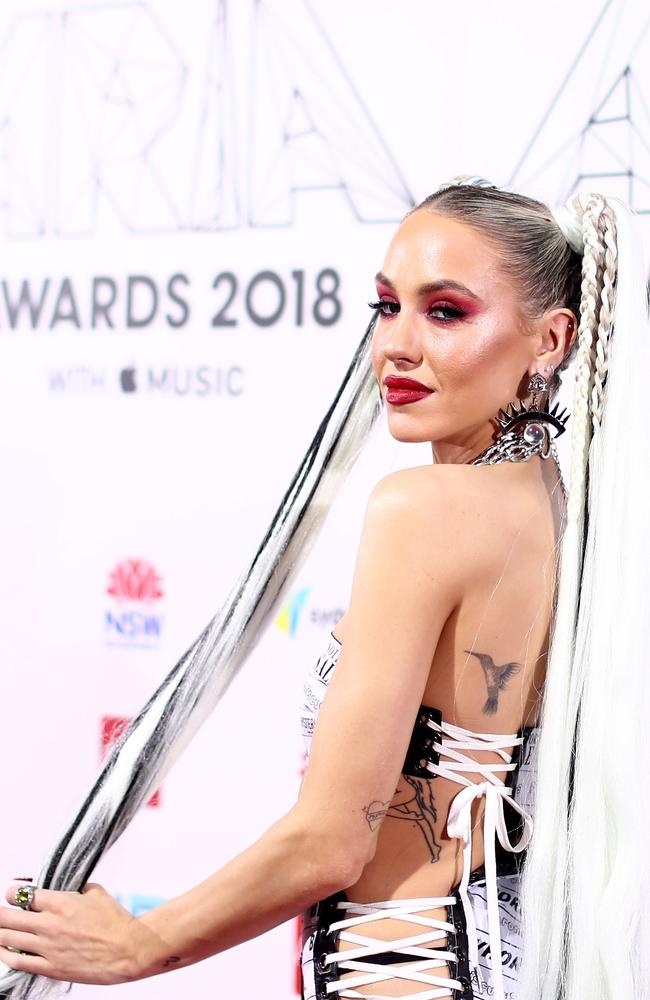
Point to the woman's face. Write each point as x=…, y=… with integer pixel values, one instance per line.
x=450, y=320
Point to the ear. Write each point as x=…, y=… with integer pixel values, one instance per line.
x=557, y=330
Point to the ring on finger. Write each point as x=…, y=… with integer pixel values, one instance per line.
x=24, y=896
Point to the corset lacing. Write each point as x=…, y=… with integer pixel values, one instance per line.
x=449, y=742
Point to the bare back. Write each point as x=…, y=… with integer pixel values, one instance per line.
x=488, y=667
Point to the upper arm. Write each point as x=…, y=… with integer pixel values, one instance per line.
x=406, y=584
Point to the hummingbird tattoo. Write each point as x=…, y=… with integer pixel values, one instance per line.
x=496, y=678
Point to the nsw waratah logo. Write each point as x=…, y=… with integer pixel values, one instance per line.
x=112, y=727
x=291, y=612
x=133, y=619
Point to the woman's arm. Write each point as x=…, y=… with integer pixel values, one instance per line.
x=400, y=600
x=407, y=581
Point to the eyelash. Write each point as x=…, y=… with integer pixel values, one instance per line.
x=393, y=308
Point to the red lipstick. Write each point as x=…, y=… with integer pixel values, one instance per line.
x=404, y=390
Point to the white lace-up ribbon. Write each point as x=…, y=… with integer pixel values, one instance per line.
x=356, y=959
x=459, y=824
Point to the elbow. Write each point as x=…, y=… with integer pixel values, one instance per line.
x=331, y=860
x=338, y=870
x=357, y=859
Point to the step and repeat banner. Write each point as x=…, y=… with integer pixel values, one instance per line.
x=194, y=199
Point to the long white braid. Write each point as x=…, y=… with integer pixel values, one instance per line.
x=590, y=302
x=585, y=883
x=606, y=315
x=544, y=889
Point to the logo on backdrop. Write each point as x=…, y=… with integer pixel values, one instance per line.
x=295, y=612
x=133, y=618
x=199, y=381
x=112, y=727
x=253, y=144
x=225, y=301
x=136, y=903
x=291, y=612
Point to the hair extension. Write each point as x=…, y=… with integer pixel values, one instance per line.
x=585, y=885
x=585, y=888
x=545, y=893
x=176, y=710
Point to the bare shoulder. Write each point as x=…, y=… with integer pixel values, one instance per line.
x=416, y=493
x=430, y=533
x=450, y=514
x=416, y=554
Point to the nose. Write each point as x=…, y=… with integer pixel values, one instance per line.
x=401, y=345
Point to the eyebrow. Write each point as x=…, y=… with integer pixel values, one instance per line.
x=431, y=286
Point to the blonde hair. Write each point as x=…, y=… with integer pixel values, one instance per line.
x=533, y=250
x=585, y=886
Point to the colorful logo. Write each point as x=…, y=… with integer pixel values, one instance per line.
x=291, y=612
x=136, y=903
x=112, y=727
x=134, y=586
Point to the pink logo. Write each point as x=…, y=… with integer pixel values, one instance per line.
x=135, y=580
x=112, y=727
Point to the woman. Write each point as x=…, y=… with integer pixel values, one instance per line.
x=434, y=675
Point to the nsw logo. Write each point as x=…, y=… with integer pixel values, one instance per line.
x=112, y=727
x=133, y=618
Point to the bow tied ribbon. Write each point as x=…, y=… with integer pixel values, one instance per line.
x=459, y=824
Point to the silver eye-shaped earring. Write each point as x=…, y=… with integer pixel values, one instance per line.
x=516, y=443
x=535, y=418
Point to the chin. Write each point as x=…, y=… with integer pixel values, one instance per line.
x=409, y=431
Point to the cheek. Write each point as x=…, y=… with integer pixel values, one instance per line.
x=376, y=355
x=480, y=352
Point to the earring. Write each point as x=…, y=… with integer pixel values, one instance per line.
x=535, y=417
x=536, y=384
x=515, y=445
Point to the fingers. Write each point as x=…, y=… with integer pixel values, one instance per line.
x=46, y=899
x=11, y=939
x=15, y=919
x=24, y=963
x=90, y=886
x=37, y=899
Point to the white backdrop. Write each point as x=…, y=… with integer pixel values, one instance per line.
x=194, y=198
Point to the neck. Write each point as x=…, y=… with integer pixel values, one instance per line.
x=462, y=452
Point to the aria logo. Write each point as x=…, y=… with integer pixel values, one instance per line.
x=112, y=727
x=134, y=585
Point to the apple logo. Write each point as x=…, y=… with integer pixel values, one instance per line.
x=127, y=380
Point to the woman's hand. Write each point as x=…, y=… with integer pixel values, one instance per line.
x=79, y=937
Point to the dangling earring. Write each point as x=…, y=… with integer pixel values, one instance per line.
x=537, y=383
x=515, y=445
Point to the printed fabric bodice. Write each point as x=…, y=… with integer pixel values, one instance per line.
x=489, y=895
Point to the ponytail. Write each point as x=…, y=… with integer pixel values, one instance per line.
x=586, y=882
x=192, y=689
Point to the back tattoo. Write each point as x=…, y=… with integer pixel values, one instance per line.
x=496, y=677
